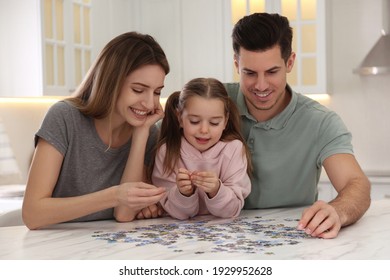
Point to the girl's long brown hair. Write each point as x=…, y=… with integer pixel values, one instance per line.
x=171, y=131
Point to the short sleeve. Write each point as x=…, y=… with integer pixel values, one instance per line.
x=55, y=127
x=334, y=138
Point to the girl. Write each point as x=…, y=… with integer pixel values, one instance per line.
x=88, y=149
x=201, y=156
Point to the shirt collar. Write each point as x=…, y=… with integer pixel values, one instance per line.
x=277, y=122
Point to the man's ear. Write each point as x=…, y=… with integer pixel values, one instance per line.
x=290, y=62
x=236, y=64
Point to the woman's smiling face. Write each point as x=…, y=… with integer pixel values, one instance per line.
x=140, y=94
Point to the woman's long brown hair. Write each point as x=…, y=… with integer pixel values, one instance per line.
x=98, y=93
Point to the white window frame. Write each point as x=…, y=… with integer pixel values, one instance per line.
x=69, y=50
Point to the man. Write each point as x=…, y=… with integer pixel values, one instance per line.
x=292, y=136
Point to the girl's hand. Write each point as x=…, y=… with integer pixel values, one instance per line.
x=183, y=181
x=207, y=181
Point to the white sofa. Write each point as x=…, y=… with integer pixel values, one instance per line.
x=20, y=118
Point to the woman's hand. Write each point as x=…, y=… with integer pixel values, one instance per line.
x=153, y=117
x=138, y=195
x=142, y=131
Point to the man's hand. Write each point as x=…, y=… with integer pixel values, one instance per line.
x=320, y=220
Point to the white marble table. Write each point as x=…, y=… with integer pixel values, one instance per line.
x=367, y=239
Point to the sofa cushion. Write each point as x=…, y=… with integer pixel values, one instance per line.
x=9, y=169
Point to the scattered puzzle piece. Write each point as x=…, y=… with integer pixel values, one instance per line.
x=239, y=235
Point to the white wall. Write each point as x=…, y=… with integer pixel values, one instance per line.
x=192, y=34
x=362, y=102
x=109, y=19
x=20, y=48
x=353, y=27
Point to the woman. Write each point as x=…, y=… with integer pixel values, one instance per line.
x=86, y=164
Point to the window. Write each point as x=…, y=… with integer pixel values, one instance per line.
x=81, y=38
x=67, y=44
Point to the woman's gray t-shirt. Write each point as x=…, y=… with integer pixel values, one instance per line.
x=88, y=165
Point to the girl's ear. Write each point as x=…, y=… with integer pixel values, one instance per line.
x=178, y=115
x=226, y=120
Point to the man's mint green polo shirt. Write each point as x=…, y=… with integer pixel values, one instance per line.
x=288, y=150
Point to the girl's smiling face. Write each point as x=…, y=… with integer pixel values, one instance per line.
x=203, y=121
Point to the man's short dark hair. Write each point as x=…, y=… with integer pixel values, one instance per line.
x=262, y=31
